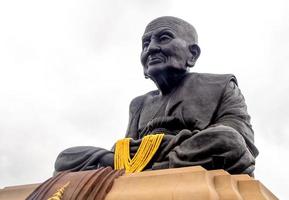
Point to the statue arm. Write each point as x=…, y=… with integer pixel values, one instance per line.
x=88, y=157
x=227, y=143
x=232, y=112
x=82, y=158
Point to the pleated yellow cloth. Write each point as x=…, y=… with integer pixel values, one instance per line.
x=147, y=149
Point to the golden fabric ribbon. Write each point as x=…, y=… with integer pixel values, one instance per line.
x=147, y=149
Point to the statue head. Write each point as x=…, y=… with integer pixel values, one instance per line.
x=169, y=45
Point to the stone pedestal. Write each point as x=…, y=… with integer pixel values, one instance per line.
x=188, y=183
x=17, y=192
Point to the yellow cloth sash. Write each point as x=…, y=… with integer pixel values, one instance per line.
x=148, y=147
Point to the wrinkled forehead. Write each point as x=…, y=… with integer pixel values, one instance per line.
x=156, y=24
x=175, y=24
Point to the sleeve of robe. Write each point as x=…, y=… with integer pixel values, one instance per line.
x=82, y=158
x=228, y=142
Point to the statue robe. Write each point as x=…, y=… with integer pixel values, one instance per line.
x=207, y=119
x=205, y=122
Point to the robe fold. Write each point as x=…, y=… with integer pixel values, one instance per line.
x=210, y=110
x=205, y=121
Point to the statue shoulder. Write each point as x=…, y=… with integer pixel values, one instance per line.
x=137, y=102
x=208, y=78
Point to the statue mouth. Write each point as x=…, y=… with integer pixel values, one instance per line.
x=155, y=59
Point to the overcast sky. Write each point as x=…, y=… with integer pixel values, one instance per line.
x=68, y=70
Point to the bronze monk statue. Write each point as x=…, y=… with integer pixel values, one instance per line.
x=203, y=116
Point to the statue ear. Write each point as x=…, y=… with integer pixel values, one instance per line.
x=195, y=51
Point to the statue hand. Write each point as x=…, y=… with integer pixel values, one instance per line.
x=171, y=141
x=134, y=144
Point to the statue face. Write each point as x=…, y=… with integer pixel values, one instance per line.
x=163, y=49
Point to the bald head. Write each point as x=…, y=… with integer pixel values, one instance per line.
x=177, y=25
x=169, y=45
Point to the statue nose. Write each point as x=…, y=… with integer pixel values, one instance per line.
x=153, y=47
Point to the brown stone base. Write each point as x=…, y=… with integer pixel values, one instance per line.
x=17, y=192
x=188, y=183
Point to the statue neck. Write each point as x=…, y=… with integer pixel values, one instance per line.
x=166, y=83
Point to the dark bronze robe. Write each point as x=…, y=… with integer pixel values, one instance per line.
x=204, y=118
x=207, y=117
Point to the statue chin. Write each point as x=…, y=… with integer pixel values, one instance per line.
x=165, y=72
x=156, y=69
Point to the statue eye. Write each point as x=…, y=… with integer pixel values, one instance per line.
x=165, y=38
x=145, y=44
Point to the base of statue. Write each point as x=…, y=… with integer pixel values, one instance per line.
x=186, y=183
